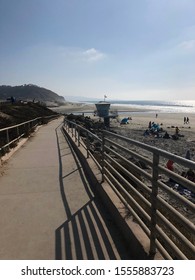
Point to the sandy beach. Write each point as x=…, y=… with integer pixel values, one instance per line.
x=168, y=122
x=139, y=123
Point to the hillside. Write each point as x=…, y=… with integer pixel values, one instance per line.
x=11, y=114
x=29, y=93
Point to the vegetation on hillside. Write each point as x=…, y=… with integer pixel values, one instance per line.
x=11, y=114
x=30, y=93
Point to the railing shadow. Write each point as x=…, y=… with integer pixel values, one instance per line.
x=89, y=233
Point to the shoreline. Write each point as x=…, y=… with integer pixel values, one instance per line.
x=121, y=108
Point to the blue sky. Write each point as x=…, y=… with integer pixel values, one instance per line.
x=126, y=49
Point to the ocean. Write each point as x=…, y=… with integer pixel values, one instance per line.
x=179, y=106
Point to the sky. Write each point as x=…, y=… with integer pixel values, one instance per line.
x=124, y=49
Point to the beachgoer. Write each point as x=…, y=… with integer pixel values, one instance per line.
x=150, y=124
x=188, y=154
x=170, y=165
x=125, y=121
x=187, y=120
x=12, y=99
x=176, y=130
x=146, y=132
x=184, y=120
x=156, y=115
x=166, y=136
x=171, y=168
x=190, y=175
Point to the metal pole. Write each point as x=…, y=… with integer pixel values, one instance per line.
x=75, y=133
x=78, y=137
x=154, y=205
x=103, y=157
x=87, y=145
x=18, y=133
x=7, y=133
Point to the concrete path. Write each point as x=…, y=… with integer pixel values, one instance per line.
x=48, y=210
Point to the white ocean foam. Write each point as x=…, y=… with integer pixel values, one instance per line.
x=180, y=106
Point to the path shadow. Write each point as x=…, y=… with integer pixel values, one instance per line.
x=88, y=234
x=85, y=237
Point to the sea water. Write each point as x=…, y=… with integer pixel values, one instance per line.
x=179, y=106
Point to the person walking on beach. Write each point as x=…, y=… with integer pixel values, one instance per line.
x=187, y=120
x=184, y=120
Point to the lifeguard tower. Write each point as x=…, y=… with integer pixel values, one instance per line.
x=103, y=111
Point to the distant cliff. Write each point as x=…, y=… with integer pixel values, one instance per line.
x=30, y=93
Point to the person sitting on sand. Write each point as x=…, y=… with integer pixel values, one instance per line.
x=190, y=175
x=166, y=136
x=146, y=132
x=171, y=168
x=176, y=135
x=177, y=130
x=188, y=155
x=170, y=165
x=125, y=121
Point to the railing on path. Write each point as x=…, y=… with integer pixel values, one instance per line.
x=164, y=214
x=9, y=136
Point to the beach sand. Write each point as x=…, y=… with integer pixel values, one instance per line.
x=139, y=123
x=168, y=122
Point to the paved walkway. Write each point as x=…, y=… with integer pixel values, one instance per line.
x=48, y=210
